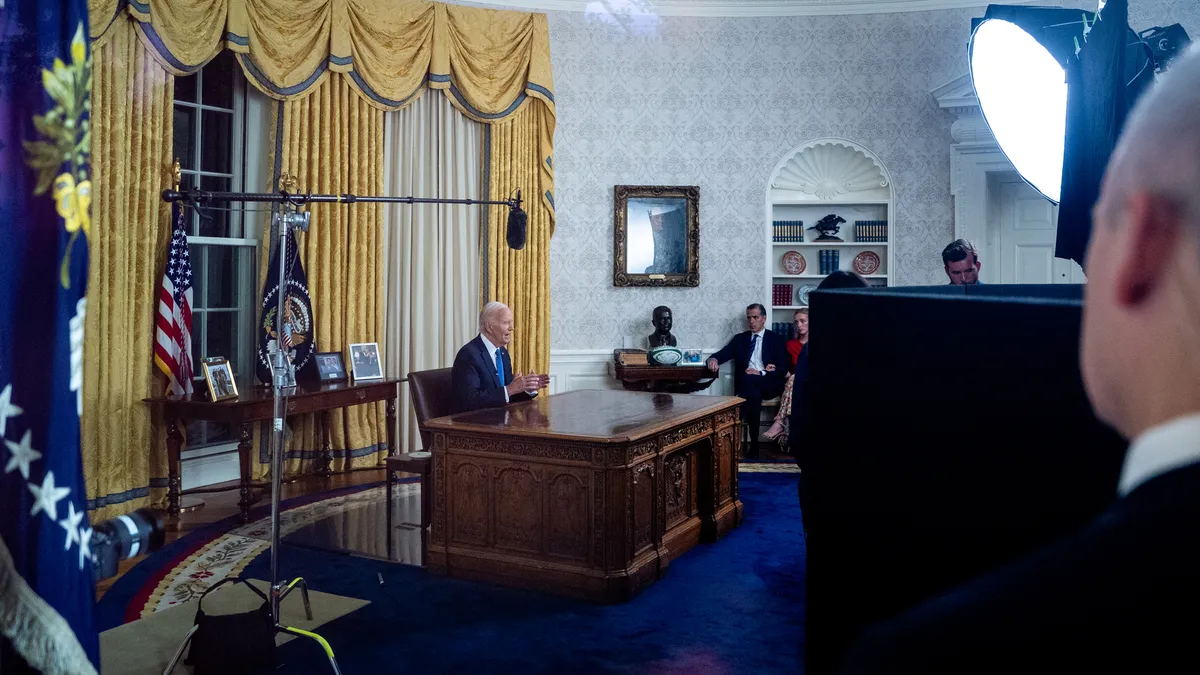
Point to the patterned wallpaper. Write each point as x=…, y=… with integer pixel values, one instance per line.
x=716, y=102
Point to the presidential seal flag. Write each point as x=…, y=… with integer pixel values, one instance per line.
x=297, y=336
x=46, y=580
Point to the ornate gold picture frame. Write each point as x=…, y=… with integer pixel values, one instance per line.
x=656, y=235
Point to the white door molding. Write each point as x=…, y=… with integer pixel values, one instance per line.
x=974, y=155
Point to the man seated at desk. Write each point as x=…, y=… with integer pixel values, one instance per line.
x=482, y=375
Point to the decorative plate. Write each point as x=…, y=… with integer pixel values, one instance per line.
x=802, y=293
x=793, y=263
x=666, y=355
x=866, y=262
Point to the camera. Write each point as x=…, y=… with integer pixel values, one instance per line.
x=123, y=538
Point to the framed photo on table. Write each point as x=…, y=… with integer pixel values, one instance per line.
x=330, y=367
x=365, y=363
x=218, y=375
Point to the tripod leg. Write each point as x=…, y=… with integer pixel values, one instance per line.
x=303, y=593
x=179, y=652
x=320, y=640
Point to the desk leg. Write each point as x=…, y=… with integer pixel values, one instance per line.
x=174, y=446
x=244, y=448
x=323, y=464
x=391, y=424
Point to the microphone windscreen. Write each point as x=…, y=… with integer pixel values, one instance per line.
x=516, y=228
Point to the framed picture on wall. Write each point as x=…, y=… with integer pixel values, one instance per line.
x=365, y=363
x=656, y=235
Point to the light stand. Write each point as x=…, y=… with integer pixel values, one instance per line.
x=288, y=219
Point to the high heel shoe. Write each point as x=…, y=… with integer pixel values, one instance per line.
x=774, y=431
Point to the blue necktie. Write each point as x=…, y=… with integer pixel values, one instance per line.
x=500, y=368
x=753, y=344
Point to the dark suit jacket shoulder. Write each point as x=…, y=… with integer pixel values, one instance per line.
x=1121, y=595
x=474, y=378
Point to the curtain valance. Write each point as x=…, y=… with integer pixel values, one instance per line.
x=489, y=60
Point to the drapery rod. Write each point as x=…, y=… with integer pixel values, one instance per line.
x=282, y=197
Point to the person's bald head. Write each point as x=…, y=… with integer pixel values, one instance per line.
x=1159, y=148
x=1140, y=351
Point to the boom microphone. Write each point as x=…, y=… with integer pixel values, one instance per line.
x=516, y=224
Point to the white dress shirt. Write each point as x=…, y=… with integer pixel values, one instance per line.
x=1160, y=449
x=756, y=361
x=491, y=350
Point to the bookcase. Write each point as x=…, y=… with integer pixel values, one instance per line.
x=820, y=178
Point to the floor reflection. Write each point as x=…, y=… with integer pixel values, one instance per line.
x=368, y=529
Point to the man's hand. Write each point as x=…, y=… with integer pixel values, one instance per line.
x=751, y=371
x=770, y=367
x=519, y=384
x=712, y=365
x=534, y=382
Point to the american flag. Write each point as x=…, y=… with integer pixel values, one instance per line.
x=173, y=338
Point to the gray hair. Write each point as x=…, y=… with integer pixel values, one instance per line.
x=489, y=310
x=1159, y=148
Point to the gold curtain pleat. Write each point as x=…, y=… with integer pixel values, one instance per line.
x=333, y=141
x=131, y=122
x=521, y=279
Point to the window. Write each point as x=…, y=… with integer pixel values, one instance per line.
x=209, y=140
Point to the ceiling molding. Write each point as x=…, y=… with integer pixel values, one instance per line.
x=734, y=8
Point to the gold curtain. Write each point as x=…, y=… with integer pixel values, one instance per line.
x=333, y=140
x=124, y=455
x=521, y=279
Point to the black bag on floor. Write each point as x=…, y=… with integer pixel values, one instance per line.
x=233, y=644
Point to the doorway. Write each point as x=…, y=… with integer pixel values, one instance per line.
x=1021, y=227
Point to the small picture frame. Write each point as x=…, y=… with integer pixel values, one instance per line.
x=365, y=363
x=218, y=375
x=691, y=356
x=330, y=367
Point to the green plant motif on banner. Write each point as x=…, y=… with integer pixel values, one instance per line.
x=66, y=140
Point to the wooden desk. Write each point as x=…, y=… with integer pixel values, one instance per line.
x=589, y=493
x=256, y=404
x=673, y=379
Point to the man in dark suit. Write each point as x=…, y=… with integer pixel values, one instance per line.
x=482, y=374
x=761, y=365
x=1120, y=595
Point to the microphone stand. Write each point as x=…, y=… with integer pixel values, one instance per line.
x=288, y=219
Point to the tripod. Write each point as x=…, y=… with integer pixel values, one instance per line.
x=288, y=219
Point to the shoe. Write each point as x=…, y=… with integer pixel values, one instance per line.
x=774, y=431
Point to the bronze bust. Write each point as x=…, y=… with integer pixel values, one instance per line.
x=662, y=328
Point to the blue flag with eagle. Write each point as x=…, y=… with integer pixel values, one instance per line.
x=298, y=336
x=46, y=580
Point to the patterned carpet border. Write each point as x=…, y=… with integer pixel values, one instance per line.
x=182, y=571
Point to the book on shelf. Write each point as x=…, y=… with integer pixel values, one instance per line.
x=871, y=231
x=781, y=294
x=829, y=260
x=631, y=357
x=787, y=231
x=785, y=328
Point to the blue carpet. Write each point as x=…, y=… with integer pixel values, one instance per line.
x=735, y=606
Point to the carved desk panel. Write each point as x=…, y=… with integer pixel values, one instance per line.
x=588, y=493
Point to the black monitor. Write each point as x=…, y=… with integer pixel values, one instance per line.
x=948, y=432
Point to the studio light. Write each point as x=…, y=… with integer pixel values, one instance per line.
x=1054, y=86
x=1022, y=92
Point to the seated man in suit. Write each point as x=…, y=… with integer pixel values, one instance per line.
x=482, y=374
x=761, y=365
x=1117, y=596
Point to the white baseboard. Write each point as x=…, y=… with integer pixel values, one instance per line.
x=572, y=369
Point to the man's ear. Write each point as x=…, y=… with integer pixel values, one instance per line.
x=1149, y=232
